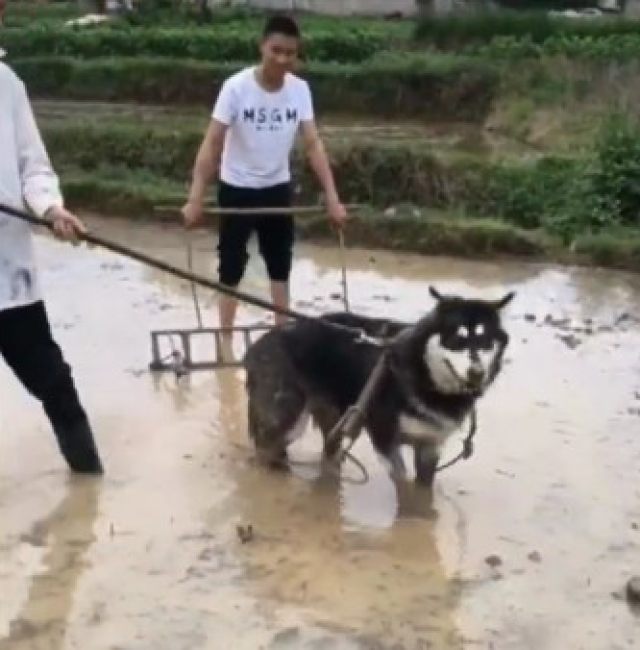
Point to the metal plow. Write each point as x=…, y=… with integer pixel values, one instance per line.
x=213, y=348
x=200, y=348
x=187, y=350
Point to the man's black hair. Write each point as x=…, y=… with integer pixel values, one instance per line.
x=284, y=25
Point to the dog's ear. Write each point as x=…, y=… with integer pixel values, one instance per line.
x=435, y=293
x=503, y=302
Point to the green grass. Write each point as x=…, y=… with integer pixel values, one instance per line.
x=456, y=87
x=410, y=229
x=137, y=195
x=457, y=31
x=615, y=248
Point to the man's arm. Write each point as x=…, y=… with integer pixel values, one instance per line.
x=205, y=170
x=319, y=162
x=207, y=164
x=40, y=184
x=318, y=159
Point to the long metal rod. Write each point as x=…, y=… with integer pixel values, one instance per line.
x=212, y=210
x=176, y=271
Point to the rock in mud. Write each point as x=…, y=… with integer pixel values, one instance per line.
x=570, y=340
x=245, y=533
x=534, y=556
x=560, y=323
x=494, y=561
x=530, y=318
x=289, y=635
x=633, y=590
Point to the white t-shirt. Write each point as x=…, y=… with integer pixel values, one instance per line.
x=26, y=181
x=262, y=128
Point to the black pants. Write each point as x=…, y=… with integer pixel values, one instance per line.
x=275, y=232
x=28, y=347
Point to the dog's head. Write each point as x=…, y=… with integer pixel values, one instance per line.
x=462, y=343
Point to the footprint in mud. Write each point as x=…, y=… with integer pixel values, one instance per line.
x=293, y=638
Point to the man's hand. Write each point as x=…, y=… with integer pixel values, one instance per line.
x=192, y=213
x=65, y=224
x=337, y=212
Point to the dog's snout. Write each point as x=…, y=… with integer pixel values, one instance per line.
x=475, y=375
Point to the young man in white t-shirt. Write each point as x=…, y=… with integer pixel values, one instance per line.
x=248, y=146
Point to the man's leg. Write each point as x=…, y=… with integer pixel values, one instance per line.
x=280, y=298
x=28, y=347
x=233, y=238
x=276, y=236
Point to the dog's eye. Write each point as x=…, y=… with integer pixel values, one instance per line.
x=479, y=329
x=462, y=332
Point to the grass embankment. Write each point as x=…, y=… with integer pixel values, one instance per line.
x=477, y=206
x=544, y=82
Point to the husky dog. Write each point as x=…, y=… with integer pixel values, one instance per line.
x=437, y=370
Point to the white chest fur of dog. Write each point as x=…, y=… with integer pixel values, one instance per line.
x=434, y=429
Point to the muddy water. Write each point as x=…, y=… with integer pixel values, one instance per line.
x=527, y=545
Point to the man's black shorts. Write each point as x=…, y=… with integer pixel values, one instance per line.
x=275, y=232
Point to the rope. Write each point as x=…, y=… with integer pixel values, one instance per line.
x=343, y=263
x=467, y=444
x=194, y=293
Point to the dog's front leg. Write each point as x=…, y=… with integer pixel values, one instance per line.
x=426, y=459
x=398, y=469
x=411, y=502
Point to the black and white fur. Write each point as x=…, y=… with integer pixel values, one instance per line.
x=439, y=367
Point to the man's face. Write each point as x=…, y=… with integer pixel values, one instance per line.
x=279, y=53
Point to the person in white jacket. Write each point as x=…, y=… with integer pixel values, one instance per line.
x=28, y=182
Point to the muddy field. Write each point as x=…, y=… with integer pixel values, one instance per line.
x=528, y=546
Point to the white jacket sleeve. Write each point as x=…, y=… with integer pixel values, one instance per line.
x=40, y=184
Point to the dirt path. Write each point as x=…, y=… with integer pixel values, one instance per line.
x=150, y=559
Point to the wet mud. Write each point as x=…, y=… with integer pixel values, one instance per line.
x=187, y=544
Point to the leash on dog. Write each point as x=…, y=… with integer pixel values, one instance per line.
x=467, y=443
x=343, y=264
x=351, y=423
